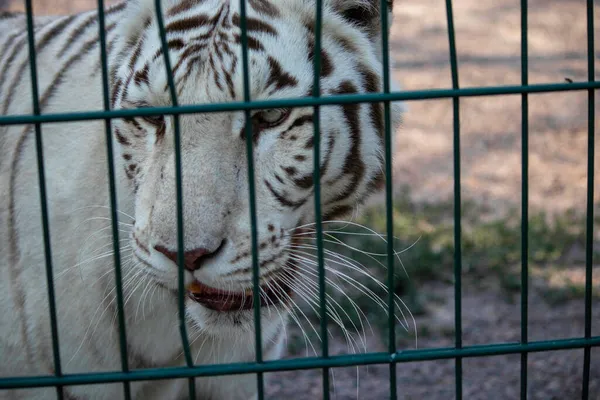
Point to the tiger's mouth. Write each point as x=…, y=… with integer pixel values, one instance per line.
x=275, y=292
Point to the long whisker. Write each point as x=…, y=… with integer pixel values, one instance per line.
x=312, y=292
x=310, y=300
x=344, y=261
x=98, y=257
x=335, y=316
x=141, y=299
x=99, y=249
x=283, y=324
x=339, y=231
x=303, y=227
x=105, y=207
x=200, y=349
x=349, y=263
x=339, y=256
x=358, y=285
x=293, y=315
x=101, y=303
x=337, y=241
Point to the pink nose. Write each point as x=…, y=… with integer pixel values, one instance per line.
x=192, y=259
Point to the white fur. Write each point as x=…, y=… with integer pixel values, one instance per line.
x=215, y=205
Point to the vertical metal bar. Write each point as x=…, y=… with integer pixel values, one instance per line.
x=179, y=193
x=43, y=200
x=317, y=179
x=389, y=196
x=113, y=198
x=457, y=201
x=252, y=202
x=524, y=197
x=589, y=248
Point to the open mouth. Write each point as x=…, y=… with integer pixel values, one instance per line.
x=224, y=300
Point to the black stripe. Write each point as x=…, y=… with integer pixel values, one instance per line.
x=136, y=53
x=264, y=7
x=188, y=52
x=187, y=24
x=188, y=71
x=176, y=44
x=116, y=8
x=141, y=76
x=298, y=122
x=253, y=43
x=326, y=64
x=109, y=50
x=282, y=200
x=307, y=181
x=337, y=212
x=9, y=15
x=54, y=32
x=46, y=97
x=115, y=91
x=13, y=251
x=371, y=83
x=217, y=78
x=353, y=164
x=93, y=19
x=183, y=6
x=121, y=139
x=255, y=25
x=43, y=42
x=124, y=92
x=290, y=171
x=76, y=33
x=376, y=184
x=278, y=77
x=229, y=78
x=19, y=46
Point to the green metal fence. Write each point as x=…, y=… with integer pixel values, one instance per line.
x=326, y=361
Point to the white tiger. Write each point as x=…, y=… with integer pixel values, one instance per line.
x=205, y=51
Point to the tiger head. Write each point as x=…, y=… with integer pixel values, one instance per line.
x=205, y=52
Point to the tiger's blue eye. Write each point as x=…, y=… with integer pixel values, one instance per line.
x=273, y=117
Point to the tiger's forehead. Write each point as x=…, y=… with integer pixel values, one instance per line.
x=205, y=47
x=265, y=7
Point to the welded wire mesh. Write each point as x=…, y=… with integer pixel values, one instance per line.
x=325, y=361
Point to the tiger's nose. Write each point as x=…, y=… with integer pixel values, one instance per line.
x=192, y=259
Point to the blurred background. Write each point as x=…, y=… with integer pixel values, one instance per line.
x=488, y=42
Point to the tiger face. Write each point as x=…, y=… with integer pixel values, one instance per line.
x=204, y=41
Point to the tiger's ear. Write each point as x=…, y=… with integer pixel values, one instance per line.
x=135, y=17
x=364, y=14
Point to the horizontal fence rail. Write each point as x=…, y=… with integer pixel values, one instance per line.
x=300, y=363
x=325, y=361
x=409, y=95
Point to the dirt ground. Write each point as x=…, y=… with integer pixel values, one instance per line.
x=488, y=40
x=487, y=318
x=488, y=45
